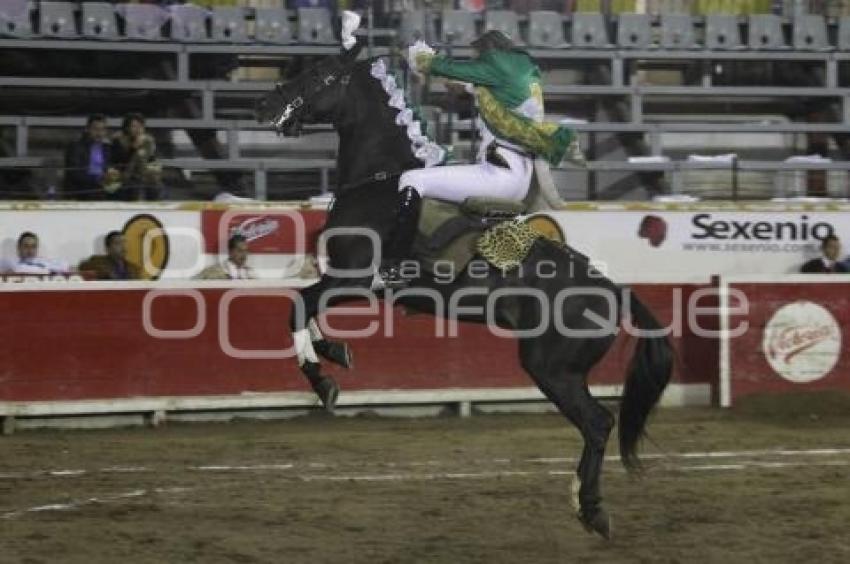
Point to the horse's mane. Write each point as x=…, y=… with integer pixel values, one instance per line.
x=399, y=113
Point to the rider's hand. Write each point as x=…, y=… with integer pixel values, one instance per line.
x=456, y=88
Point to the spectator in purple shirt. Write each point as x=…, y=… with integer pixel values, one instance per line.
x=87, y=169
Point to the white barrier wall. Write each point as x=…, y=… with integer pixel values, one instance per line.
x=633, y=242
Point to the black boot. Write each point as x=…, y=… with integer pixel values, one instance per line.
x=403, y=235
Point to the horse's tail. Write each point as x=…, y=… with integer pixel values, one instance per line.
x=649, y=372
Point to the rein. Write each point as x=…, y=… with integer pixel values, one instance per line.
x=342, y=73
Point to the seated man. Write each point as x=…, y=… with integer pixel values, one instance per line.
x=234, y=266
x=87, y=170
x=28, y=261
x=134, y=154
x=113, y=265
x=828, y=261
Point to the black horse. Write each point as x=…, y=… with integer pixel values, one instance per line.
x=373, y=151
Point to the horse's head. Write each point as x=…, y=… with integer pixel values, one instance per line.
x=311, y=97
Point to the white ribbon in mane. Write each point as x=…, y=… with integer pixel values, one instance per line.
x=430, y=153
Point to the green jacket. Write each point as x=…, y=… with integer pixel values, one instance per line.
x=511, y=76
x=510, y=98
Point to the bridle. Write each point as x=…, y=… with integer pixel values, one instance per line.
x=316, y=84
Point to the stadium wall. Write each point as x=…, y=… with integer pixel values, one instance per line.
x=791, y=339
x=630, y=242
x=100, y=347
x=153, y=347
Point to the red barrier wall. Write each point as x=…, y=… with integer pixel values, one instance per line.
x=795, y=340
x=91, y=344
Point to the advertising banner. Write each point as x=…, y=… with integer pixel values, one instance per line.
x=696, y=242
x=793, y=336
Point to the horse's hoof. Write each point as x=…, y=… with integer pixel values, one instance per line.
x=328, y=391
x=336, y=352
x=596, y=521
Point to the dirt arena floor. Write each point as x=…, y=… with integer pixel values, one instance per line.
x=766, y=482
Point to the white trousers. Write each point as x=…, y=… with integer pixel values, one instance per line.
x=456, y=183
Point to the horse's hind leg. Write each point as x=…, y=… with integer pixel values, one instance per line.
x=567, y=389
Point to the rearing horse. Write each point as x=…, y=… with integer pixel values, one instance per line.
x=373, y=151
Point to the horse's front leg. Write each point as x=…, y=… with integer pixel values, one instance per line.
x=306, y=334
x=302, y=317
x=337, y=352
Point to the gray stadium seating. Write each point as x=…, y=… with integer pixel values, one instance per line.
x=810, y=33
x=459, y=27
x=634, y=31
x=416, y=24
x=722, y=32
x=143, y=22
x=99, y=21
x=271, y=25
x=228, y=25
x=844, y=33
x=590, y=31
x=189, y=23
x=15, y=19
x=314, y=26
x=506, y=21
x=546, y=29
x=677, y=32
x=56, y=19
x=766, y=32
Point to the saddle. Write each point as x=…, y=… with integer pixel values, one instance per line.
x=449, y=235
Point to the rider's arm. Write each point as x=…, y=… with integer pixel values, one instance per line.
x=478, y=72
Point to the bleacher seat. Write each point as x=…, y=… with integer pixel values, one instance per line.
x=143, y=22
x=722, y=32
x=228, y=24
x=15, y=19
x=810, y=33
x=99, y=21
x=844, y=33
x=189, y=23
x=272, y=26
x=765, y=32
x=634, y=31
x=416, y=24
x=677, y=31
x=589, y=31
x=314, y=26
x=458, y=27
x=506, y=21
x=546, y=29
x=56, y=19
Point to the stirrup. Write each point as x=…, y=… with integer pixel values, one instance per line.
x=391, y=276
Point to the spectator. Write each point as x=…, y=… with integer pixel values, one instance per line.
x=828, y=261
x=234, y=267
x=87, y=171
x=134, y=154
x=28, y=261
x=113, y=265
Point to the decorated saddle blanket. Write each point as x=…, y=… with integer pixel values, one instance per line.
x=449, y=235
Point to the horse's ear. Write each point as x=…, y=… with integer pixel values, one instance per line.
x=350, y=55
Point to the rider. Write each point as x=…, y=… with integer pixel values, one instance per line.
x=509, y=96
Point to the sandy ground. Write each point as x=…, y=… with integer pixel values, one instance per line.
x=766, y=482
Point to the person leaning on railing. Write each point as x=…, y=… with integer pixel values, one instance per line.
x=28, y=261
x=134, y=155
x=114, y=264
x=828, y=262
x=235, y=266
